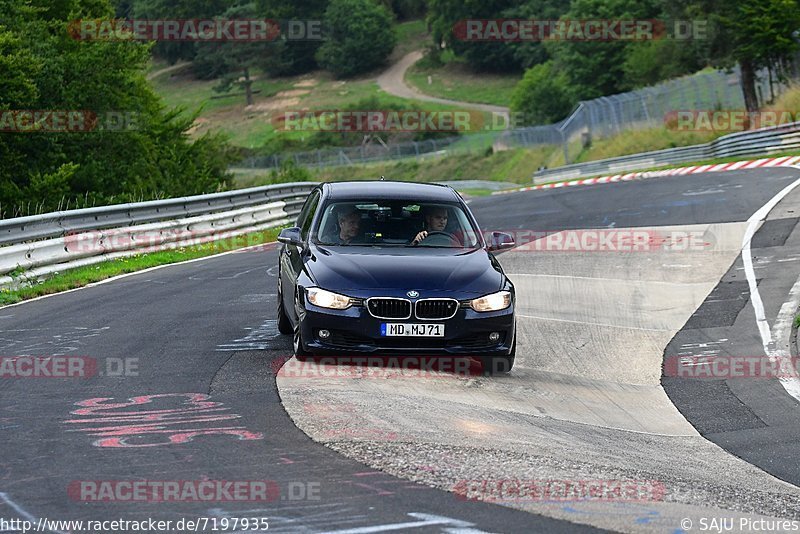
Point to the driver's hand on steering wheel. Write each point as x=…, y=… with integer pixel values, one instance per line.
x=420, y=236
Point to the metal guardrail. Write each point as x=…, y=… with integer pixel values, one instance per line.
x=59, y=223
x=764, y=141
x=52, y=242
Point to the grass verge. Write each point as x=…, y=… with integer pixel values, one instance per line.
x=82, y=276
x=453, y=79
x=507, y=166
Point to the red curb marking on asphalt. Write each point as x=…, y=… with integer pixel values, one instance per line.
x=782, y=161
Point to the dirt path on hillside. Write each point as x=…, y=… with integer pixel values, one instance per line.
x=159, y=72
x=392, y=81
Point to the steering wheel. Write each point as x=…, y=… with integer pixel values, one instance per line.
x=440, y=239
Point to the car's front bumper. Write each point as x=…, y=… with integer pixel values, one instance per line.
x=356, y=331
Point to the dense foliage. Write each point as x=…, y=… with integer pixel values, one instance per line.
x=755, y=34
x=361, y=37
x=144, y=155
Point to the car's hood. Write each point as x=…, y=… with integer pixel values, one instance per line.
x=395, y=271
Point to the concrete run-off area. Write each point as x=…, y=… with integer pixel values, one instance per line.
x=583, y=403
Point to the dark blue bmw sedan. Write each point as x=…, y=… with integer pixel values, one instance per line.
x=394, y=268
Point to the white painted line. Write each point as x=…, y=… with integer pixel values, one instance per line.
x=792, y=385
x=589, y=323
x=17, y=508
x=425, y=520
x=781, y=332
x=136, y=273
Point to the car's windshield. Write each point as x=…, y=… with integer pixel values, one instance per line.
x=395, y=223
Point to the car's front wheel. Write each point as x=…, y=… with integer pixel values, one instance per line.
x=284, y=325
x=297, y=344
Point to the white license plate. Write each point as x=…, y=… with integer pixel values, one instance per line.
x=412, y=330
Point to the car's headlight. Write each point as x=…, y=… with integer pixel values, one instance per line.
x=494, y=302
x=327, y=299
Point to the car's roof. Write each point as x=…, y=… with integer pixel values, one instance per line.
x=385, y=189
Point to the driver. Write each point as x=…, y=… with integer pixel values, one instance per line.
x=349, y=220
x=435, y=221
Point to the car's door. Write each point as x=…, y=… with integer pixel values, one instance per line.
x=292, y=255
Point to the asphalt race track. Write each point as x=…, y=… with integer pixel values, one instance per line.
x=185, y=387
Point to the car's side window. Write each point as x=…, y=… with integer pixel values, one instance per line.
x=307, y=214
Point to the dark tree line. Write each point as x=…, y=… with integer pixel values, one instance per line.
x=755, y=34
x=145, y=155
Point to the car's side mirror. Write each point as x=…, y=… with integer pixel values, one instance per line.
x=501, y=241
x=291, y=236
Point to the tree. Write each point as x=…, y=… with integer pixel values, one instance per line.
x=597, y=68
x=233, y=61
x=651, y=62
x=761, y=37
x=543, y=96
x=445, y=15
x=45, y=69
x=361, y=37
x=756, y=34
x=293, y=56
x=174, y=51
x=408, y=9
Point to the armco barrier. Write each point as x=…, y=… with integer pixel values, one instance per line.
x=21, y=229
x=43, y=244
x=764, y=141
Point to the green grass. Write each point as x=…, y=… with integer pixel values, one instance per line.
x=82, y=276
x=475, y=192
x=797, y=322
x=411, y=35
x=636, y=141
x=514, y=166
x=252, y=127
x=454, y=80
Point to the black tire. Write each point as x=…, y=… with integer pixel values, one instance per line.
x=297, y=344
x=495, y=365
x=284, y=324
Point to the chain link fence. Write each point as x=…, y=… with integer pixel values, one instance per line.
x=592, y=119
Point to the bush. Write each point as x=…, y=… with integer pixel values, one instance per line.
x=288, y=173
x=361, y=38
x=543, y=95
